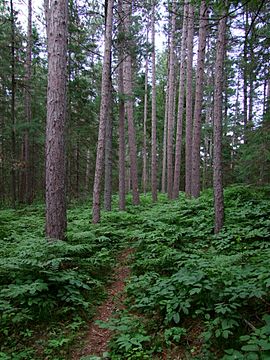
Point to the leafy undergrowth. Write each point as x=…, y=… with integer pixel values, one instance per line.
x=192, y=294
x=48, y=290
x=196, y=295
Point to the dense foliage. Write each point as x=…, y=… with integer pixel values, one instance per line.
x=191, y=293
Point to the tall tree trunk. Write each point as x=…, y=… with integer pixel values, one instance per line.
x=245, y=74
x=170, y=118
x=108, y=155
x=154, y=109
x=25, y=183
x=57, y=28
x=196, y=139
x=129, y=106
x=13, y=119
x=165, y=128
x=181, y=97
x=122, y=144
x=87, y=171
x=217, y=176
x=189, y=101
x=105, y=94
x=145, y=123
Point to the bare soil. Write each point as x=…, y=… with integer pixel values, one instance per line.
x=97, y=339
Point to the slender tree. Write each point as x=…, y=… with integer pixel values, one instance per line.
x=189, y=100
x=105, y=96
x=145, y=111
x=108, y=155
x=179, y=128
x=26, y=191
x=154, y=109
x=57, y=22
x=122, y=145
x=129, y=103
x=196, y=138
x=217, y=165
x=170, y=118
x=13, y=118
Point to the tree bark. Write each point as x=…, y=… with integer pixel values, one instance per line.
x=170, y=118
x=25, y=183
x=165, y=127
x=194, y=177
x=154, y=110
x=217, y=165
x=189, y=100
x=145, y=124
x=129, y=105
x=181, y=97
x=105, y=93
x=108, y=156
x=13, y=118
x=122, y=144
x=56, y=114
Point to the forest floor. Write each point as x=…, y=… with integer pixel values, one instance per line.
x=97, y=339
x=151, y=283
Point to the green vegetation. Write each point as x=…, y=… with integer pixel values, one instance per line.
x=191, y=292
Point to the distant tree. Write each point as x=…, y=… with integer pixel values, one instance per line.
x=194, y=179
x=105, y=101
x=154, y=109
x=171, y=97
x=127, y=7
x=181, y=97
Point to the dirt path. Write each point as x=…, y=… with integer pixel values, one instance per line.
x=96, y=341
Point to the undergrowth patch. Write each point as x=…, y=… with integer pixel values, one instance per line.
x=192, y=294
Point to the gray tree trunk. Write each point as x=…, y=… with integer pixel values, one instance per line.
x=194, y=179
x=170, y=118
x=129, y=106
x=154, y=109
x=189, y=101
x=57, y=27
x=217, y=165
x=105, y=95
x=181, y=97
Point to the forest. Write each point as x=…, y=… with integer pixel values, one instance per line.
x=134, y=180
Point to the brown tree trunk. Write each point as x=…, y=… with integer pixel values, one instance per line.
x=13, y=119
x=245, y=74
x=189, y=101
x=181, y=97
x=170, y=118
x=129, y=106
x=196, y=139
x=105, y=94
x=122, y=145
x=145, y=124
x=154, y=110
x=25, y=179
x=165, y=127
x=87, y=171
x=108, y=155
x=217, y=165
x=56, y=114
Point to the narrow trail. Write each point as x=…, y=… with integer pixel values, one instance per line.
x=97, y=339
